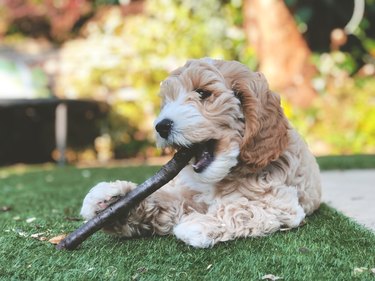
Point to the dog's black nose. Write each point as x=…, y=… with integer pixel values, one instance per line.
x=164, y=128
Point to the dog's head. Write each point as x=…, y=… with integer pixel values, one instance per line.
x=227, y=111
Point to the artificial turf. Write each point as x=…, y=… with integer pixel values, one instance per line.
x=328, y=247
x=345, y=162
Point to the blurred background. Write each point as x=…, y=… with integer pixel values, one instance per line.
x=79, y=79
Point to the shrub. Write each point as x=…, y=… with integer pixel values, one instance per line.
x=341, y=120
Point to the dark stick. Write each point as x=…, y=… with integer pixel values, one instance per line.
x=130, y=200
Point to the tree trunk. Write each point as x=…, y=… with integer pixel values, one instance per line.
x=283, y=54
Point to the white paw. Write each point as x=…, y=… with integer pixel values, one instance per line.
x=194, y=234
x=102, y=195
x=298, y=217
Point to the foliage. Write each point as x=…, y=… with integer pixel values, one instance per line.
x=50, y=18
x=124, y=61
x=24, y=83
x=341, y=120
x=137, y=53
x=55, y=20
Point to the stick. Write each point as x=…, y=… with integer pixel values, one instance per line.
x=130, y=200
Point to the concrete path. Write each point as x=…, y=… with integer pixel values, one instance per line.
x=353, y=193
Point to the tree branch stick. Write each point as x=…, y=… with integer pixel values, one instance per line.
x=130, y=200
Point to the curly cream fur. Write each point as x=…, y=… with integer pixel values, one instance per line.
x=263, y=176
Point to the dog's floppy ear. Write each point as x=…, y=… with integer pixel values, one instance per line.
x=266, y=127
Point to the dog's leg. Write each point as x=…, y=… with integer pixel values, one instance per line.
x=200, y=230
x=241, y=217
x=157, y=214
x=102, y=195
x=283, y=203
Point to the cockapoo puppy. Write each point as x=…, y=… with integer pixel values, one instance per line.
x=251, y=175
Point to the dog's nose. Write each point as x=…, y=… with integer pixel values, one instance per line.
x=164, y=128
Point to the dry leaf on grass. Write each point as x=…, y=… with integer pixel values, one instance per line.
x=6, y=208
x=39, y=236
x=18, y=231
x=57, y=239
x=36, y=235
x=271, y=277
x=359, y=270
x=30, y=220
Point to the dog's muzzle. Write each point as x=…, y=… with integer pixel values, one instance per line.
x=164, y=128
x=204, y=152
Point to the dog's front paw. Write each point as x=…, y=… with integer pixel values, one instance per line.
x=102, y=195
x=195, y=234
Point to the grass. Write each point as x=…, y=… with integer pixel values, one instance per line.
x=345, y=162
x=328, y=247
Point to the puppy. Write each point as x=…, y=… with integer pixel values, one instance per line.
x=251, y=175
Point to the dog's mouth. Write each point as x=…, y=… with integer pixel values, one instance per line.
x=204, y=155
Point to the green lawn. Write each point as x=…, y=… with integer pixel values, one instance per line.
x=345, y=162
x=328, y=247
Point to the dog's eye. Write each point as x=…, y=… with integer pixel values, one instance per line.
x=203, y=94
